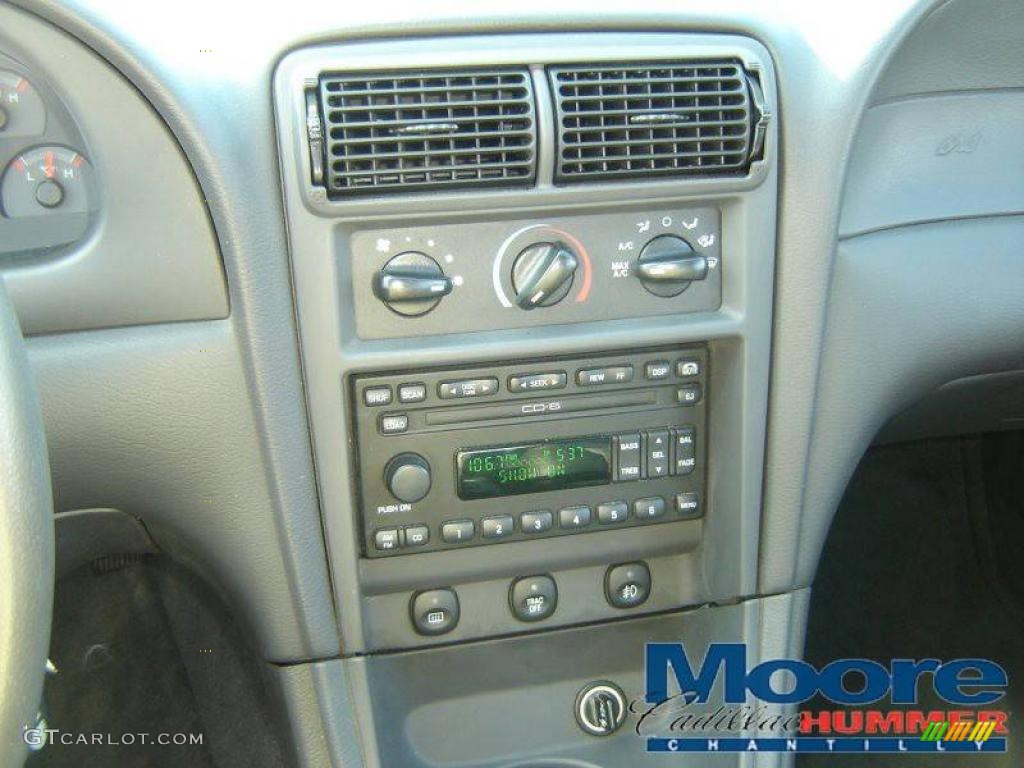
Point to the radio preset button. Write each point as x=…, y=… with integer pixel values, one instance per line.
x=435, y=611
x=394, y=424
x=533, y=598
x=377, y=396
x=687, y=369
x=612, y=512
x=533, y=382
x=574, y=517
x=450, y=390
x=649, y=508
x=456, y=531
x=627, y=457
x=615, y=374
x=685, y=444
x=657, y=453
x=689, y=394
x=688, y=504
x=497, y=527
x=387, y=539
x=536, y=522
x=659, y=369
x=412, y=393
x=416, y=535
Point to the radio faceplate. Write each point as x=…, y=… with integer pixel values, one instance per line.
x=548, y=447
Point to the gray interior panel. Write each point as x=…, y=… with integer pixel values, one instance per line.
x=147, y=421
x=151, y=255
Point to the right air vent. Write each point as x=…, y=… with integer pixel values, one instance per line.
x=668, y=118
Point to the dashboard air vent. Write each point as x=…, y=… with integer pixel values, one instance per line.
x=399, y=131
x=653, y=119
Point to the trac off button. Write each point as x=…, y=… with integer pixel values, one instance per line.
x=533, y=598
x=627, y=585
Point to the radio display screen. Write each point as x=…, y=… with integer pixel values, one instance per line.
x=551, y=465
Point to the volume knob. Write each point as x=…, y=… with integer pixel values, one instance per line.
x=407, y=476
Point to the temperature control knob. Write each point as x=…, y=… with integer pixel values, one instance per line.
x=542, y=274
x=667, y=265
x=411, y=284
x=407, y=476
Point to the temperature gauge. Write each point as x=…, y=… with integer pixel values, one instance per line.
x=47, y=180
x=21, y=109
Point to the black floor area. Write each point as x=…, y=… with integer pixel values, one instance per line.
x=142, y=646
x=925, y=559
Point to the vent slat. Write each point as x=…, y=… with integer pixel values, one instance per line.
x=392, y=132
x=654, y=118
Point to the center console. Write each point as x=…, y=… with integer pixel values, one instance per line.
x=533, y=276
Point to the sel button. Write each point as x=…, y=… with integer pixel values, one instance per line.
x=533, y=598
x=657, y=453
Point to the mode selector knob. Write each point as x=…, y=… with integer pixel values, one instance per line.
x=667, y=265
x=542, y=274
x=407, y=476
x=411, y=284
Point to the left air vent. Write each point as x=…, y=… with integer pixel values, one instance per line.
x=401, y=131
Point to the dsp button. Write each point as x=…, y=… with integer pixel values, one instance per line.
x=450, y=390
x=533, y=598
x=435, y=611
x=657, y=370
x=628, y=585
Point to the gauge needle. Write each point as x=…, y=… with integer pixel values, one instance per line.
x=48, y=164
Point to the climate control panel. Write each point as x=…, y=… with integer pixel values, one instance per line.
x=410, y=281
x=527, y=450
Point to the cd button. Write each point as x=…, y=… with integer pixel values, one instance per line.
x=497, y=527
x=536, y=522
x=574, y=517
x=416, y=535
x=612, y=512
x=456, y=531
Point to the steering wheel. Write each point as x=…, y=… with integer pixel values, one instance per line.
x=26, y=543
